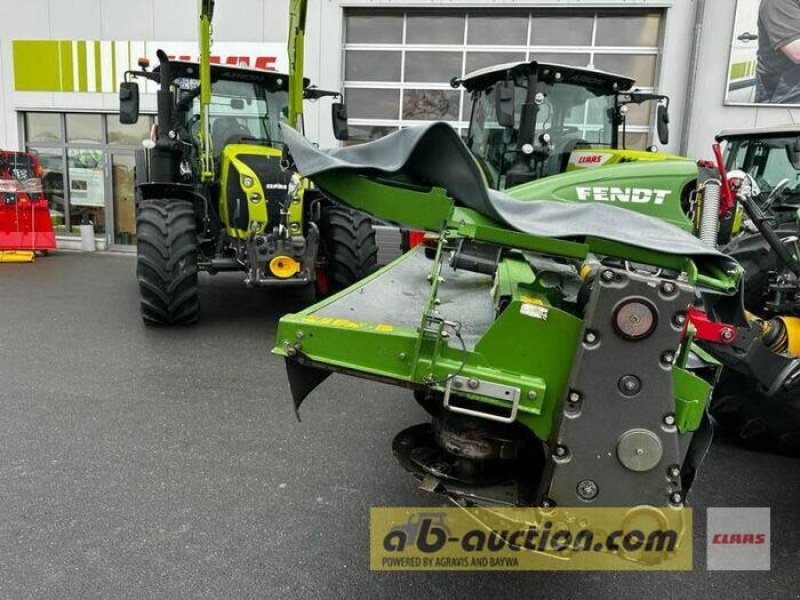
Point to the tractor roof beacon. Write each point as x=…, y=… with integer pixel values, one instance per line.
x=529, y=118
x=213, y=189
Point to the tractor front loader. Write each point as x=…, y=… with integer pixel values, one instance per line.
x=214, y=193
x=553, y=349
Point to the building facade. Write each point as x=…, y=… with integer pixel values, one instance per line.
x=61, y=62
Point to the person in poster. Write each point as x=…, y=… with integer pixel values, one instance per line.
x=778, y=66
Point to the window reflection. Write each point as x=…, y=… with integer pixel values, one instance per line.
x=431, y=105
x=52, y=163
x=87, y=195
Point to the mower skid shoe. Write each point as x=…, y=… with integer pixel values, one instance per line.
x=303, y=380
x=616, y=442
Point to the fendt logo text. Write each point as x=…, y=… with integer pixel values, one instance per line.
x=623, y=195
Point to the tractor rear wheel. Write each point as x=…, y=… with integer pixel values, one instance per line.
x=755, y=420
x=166, y=262
x=348, y=240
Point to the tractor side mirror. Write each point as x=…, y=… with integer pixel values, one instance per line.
x=128, y=102
x=504, y=103
x=662, y=124
x=339, y=121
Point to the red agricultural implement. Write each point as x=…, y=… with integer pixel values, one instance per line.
x=25, y=225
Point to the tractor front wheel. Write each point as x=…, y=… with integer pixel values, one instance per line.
x=166, y=262
x=348, y=240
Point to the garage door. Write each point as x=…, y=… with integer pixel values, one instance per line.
x=398, y=64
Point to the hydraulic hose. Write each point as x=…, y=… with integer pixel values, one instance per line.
x=760, y=221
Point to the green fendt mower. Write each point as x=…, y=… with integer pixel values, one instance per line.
x=554, y=349
x=214, y=193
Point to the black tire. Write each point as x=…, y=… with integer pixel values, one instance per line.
x=166, y=262
x=754, y=420
x=348, y=241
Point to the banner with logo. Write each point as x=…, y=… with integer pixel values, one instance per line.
x=98, y=66
x=531, y=539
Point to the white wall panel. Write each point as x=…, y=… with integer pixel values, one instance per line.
x=75, y=19
x=128, y=19
x=29, y=20
x=174, y=19
x=240, y=21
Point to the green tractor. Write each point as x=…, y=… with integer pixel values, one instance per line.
x=532, y=121
x=214, y=193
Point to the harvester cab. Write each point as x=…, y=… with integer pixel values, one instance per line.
x=213, y=188
x=532, y=120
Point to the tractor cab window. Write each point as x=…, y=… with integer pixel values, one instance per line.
x=568, y=117
x=242, y=112
x=769, y=161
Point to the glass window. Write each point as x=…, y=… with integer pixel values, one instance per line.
x=372, y=66
x=372, y=103
x=463, y=40
x=366, y=133
x=639, y=114
x=128, y=135
x=52, y=162
x=431, y=105
x=87, y=188
x=641, y=67
x=432, y=67
x=634, y=30
x=367, y=28
x=562, y=58
x=480, y=60
x=498, y=30
x=244, y=109
x=572, y=30
x=436, y=28
x=124, y=196
x=636, y=141
x=84, y=128
x=43, y=127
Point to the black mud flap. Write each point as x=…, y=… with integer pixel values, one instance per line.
x=303, y=379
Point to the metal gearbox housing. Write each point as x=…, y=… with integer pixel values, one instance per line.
x=616, y=439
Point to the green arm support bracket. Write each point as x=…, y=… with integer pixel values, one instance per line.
x=206, y=152
x=297, y=32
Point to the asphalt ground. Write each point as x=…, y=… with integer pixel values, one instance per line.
x=142, y=462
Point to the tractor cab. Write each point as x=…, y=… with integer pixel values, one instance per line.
x=532, y=120
x=771, y=156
